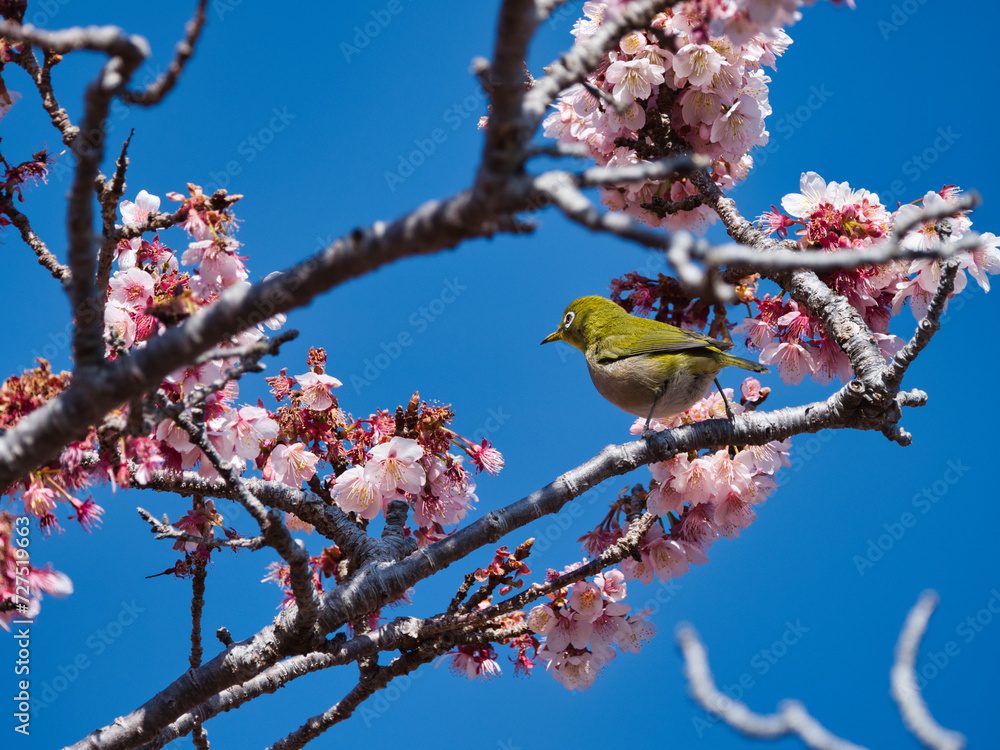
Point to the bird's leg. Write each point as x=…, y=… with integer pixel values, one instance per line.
x=656, y=397
x=729, y=412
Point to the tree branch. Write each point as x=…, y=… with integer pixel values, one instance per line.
x=903, y=681
x=791, y=719
x=155, y=92
x=928, y=326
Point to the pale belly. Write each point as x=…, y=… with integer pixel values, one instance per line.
x=627, y=384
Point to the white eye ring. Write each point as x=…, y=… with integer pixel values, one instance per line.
x=568, y=320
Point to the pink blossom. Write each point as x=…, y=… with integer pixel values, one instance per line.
x=609, y=629
x=219, y=266
x=542, y=619
x=126, y=253
x=168, y=432
x=766, y=458
x=569, y=630
x=38, y=499
x=50, y=581
x=631, y=119
x=586, y=601
x=696, y=528
x=355, y=491
x=396, y=466
x=641, y=569
x=612, y=585
x=750, y=390
x=664, y=499
x=290, y=464
x=88, y=513
x=732, y=475
x=632, y=44
x=925, y=236
x=793, y=359
x=586, y=27
x=761, y=488
x=695, y=480
x=473, y=662
x=147, y=459
x=741, y=127
x=655, y=425
x=575, y=672
x=451, y=492
x=775, y=222
x=145, y=206
x=758, y=332
x=117, y=318
x=829, y=361
x=253, y=425
x=486, y=458
x=732, y=514
x=641, y=632
x=633, y=79
x=668, y=558
x=985, y=260
x=696, y=64
x=131, y=289
x=316, y=390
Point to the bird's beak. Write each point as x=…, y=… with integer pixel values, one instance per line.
x=555, y=336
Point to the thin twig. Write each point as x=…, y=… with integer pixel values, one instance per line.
x=928, y=326
x=164, y=530
x=45, y=258
x=159, y=88
x=109, y=193
x=42, y=78
x=904, y=686
x=791, y=718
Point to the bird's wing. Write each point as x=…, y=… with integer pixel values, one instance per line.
x=657, y=341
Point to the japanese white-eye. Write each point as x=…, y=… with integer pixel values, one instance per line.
x=645, y=367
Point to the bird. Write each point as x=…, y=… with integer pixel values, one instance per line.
x=642, y=366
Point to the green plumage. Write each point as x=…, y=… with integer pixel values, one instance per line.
x=643, y=366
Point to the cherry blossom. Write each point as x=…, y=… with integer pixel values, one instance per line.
x=290, y=464
x=316, y=390
x=252, y=426
x=355, y=491
x=395, y=466
x=145, y=206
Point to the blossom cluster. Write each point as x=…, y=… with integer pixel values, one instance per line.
x=153, y=288
x=382, y=457
x=582, y=624
x=832, y=216
x=693, y=81
x=697, y=497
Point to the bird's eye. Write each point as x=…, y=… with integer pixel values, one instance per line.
x=568, y=320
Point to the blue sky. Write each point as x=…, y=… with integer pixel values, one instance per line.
x=276, y=107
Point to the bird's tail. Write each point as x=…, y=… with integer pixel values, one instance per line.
x=746, y=364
